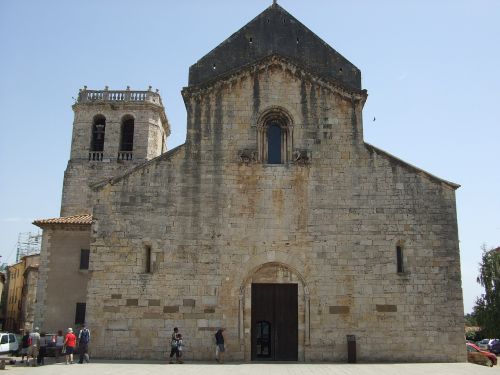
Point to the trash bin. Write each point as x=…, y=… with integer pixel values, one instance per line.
x=351, y=349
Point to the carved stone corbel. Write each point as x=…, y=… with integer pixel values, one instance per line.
x=302, y=157
x=247, y=156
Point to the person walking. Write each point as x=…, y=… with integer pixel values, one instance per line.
x=69, y=344
x=59, y=344
x=173, y=346
x=220, y=348
x=34, y=347
x=83, y=344
x=43, y=349
x=25, y=345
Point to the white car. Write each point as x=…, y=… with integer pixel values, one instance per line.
x=8, y=343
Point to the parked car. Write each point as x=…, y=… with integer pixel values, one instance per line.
x=51, y=344
x=483, y=344
x=481, y=357
x=494, y=346
x=8, y=343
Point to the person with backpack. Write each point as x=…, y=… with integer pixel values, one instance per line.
x=83, y=344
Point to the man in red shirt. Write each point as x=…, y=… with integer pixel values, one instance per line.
x=69, y=345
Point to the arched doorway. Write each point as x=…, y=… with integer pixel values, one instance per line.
x=274, y=314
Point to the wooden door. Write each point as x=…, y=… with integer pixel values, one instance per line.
x=274, y=322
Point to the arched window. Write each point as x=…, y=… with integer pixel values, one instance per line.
x=98, y=131
x=127, y=135
x=275, y=136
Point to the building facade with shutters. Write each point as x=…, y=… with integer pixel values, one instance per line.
x=274, y=219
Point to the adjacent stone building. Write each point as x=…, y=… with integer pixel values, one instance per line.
x=22, y=281
x=274, y=219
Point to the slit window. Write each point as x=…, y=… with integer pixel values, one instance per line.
x=80, y=312
x=84, y=259
x=147, y=260
x=399, y=259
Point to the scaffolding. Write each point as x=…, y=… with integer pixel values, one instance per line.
x=28, y=243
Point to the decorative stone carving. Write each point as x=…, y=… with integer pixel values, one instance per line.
x=302, y=157
x=247, y=156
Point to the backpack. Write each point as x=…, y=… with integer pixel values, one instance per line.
x=26, y=342
x=219, y=339
x=84, y=336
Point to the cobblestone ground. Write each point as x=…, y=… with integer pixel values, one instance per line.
x=153, y=368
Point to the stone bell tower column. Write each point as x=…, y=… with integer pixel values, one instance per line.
x=113, y=131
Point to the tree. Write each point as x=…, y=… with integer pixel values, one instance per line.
x=470, y=320
x=487, y=309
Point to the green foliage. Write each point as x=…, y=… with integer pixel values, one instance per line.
x=487, y=309
x=470, y=320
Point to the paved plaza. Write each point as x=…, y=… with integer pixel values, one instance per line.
x=102, y=367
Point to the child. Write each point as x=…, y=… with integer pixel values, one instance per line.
x=179, y=348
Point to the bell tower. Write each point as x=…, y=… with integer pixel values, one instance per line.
x=113, y=131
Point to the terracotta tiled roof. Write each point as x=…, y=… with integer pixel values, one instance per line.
x=73, y=220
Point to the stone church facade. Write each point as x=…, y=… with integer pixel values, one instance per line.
x=274, y=219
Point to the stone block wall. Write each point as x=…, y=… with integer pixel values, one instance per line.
x=29, y=297
x=61, y=283
x=215, y=224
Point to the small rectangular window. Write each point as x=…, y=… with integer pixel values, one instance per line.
x=399, y=258
x=80, y=312
x=147, y=260
x=84, y=259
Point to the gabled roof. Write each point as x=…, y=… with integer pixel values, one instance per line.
x=275, y=31
x=275, y=60
x=71, y=220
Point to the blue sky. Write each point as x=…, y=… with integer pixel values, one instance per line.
x=431, y=69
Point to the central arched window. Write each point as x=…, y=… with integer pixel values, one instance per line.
x=98, y=132
x=275, y=136
x=274, y=144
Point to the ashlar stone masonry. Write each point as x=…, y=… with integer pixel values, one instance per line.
x=274, y=220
